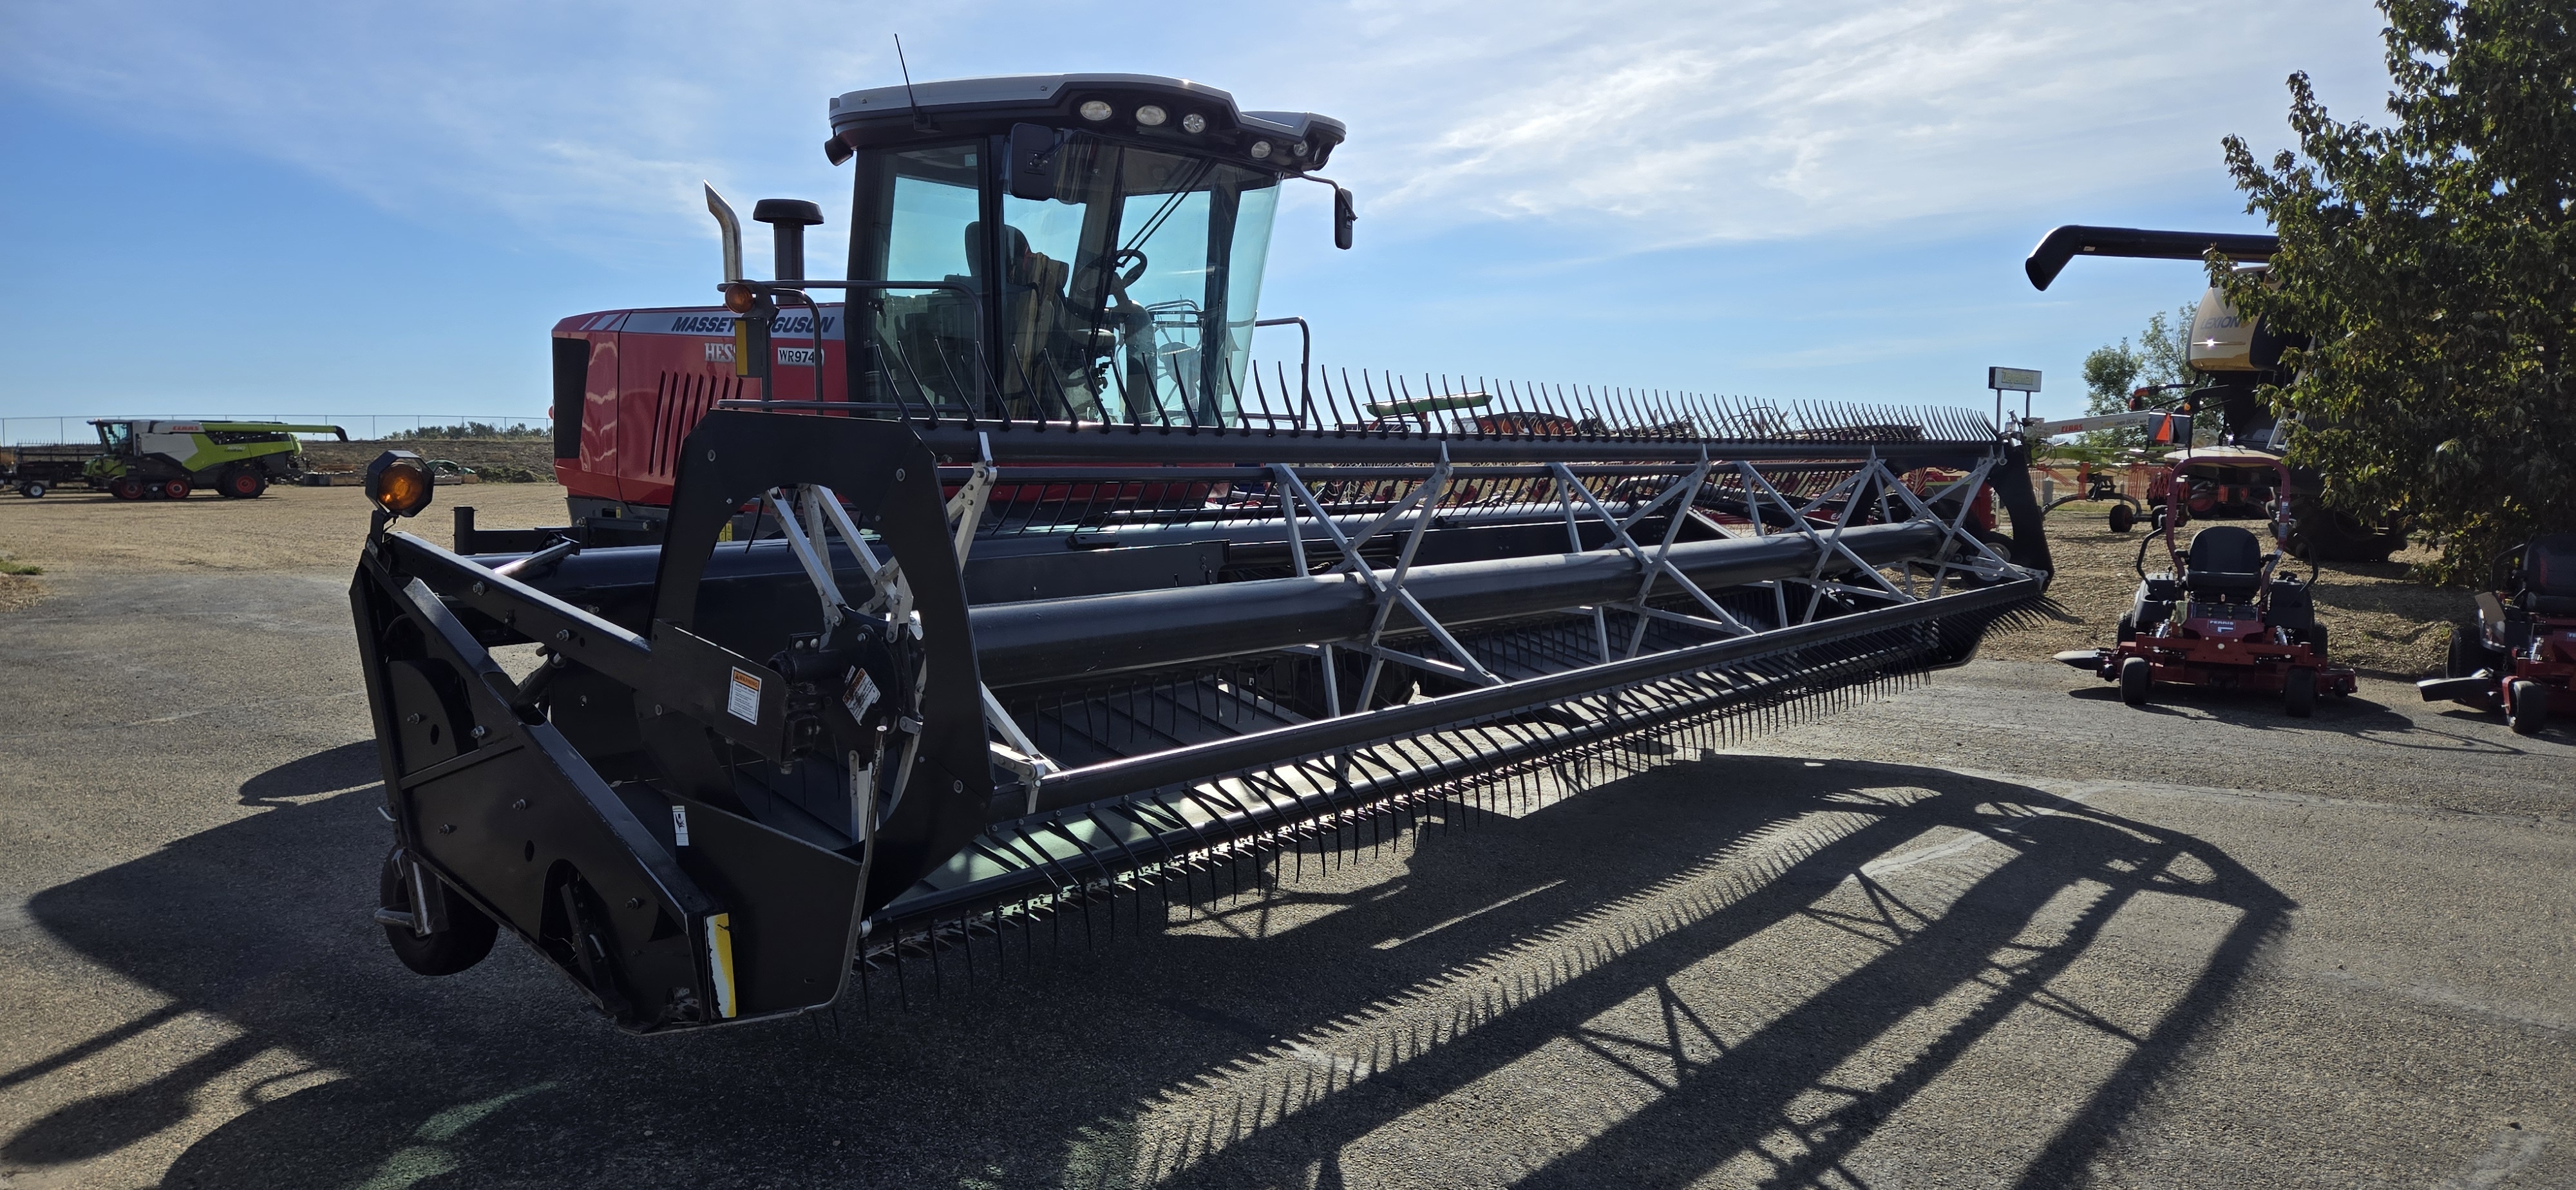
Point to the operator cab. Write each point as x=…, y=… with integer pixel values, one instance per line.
x=1105, y=232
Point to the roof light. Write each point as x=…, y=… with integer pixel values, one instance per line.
x=1260, y=150
x=1095, y=110
x=1301, y=148
x=1150, y=116
x=1194, y=122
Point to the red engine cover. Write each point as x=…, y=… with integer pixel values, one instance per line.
x=654, y=373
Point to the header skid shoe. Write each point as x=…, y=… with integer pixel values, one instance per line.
x=888, y=679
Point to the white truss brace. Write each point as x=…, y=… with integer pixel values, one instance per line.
x=819, y=507
x=1991, y=565
x=1660, y=566
x=802, y=519
x=807, y=518
x=1886, y=486
x=1832, y=543
x=1389, y=593
x=1288, y=491
x=816, y=572
x=1014, y=751
x=1655, y=565
x=1565, y=489
x=966, y=508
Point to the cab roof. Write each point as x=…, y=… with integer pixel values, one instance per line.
x=900, y=114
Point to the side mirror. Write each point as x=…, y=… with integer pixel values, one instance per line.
x=1343, y=217
x=1032, y=162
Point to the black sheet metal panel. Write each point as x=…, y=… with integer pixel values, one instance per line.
x=508, y=813
x=707, y=683
x=793, y=925
x=2029, y=521
x=891, y=483
x=477, y=812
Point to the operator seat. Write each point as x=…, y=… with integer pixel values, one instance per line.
x=2224, y=565
x=2548, y=577
x=1033, y=314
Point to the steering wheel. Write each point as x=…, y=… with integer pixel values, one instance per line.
x=1109, y=264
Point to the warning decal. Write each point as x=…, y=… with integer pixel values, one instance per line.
x=860, y=694
x=742, y=701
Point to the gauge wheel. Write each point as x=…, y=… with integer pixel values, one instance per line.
x=2136, y=675
x=2299, y=692
x=2123, y=518
x=467, y=938
x=2526, y=706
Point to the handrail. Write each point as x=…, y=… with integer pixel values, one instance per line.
x=958, y=287
x=1305, y=361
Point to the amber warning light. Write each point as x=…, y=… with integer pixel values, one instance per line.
x=398, y=481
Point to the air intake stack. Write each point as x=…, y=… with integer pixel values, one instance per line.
x=787, y=219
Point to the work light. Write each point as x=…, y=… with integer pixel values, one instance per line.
x=398, y=481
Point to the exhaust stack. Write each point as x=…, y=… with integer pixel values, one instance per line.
x=728, y=230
